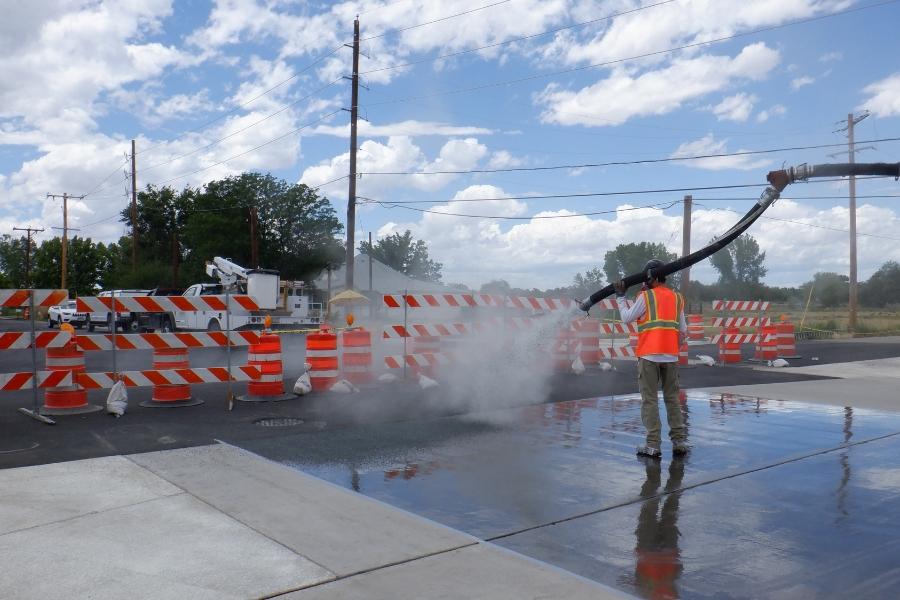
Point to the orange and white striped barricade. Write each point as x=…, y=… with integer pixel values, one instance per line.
x=610, y=352
x=15, y=298
x=683, y=356
x=97, y=381
x=265, y=356
x=564, y=350
x=730, y=345
x=588, y=333
x=416, y=361
x=695, y=328
x=787, y=343
x=425, y=345
x=633, y=338
x=356, y=355
x=13, y=382
x=322, y=355
x=67, y=399
x=767, y=345
x=174, y=395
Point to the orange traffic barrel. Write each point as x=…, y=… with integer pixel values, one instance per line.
x=683, y=355
x=730, y=352
x=588, y=332
x=428, y=344
x=767, y=346
x=265, y=355
x=695, y=327
x=787, y=345
x=356, y=357
x=563, y=350
x=322, y=355
x=70, y=399
x=175, y=395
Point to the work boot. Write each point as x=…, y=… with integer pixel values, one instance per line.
x=649, y=451
x=680, y=448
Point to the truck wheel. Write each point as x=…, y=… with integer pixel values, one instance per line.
x=111, y=323
x=50, y=323
x=133, y=326
x=213, y=325
x=91, y=326
x=166, y=325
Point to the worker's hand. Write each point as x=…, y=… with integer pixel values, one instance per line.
x=620, y=287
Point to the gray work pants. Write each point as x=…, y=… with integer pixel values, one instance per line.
x=650, y=376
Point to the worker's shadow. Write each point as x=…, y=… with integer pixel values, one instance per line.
x=657, y=556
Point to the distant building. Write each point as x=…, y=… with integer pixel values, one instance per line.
x=385, y=280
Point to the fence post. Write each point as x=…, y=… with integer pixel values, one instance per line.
x=228, y=346
x=35, y=412
x=405, y=331
x=115, y=319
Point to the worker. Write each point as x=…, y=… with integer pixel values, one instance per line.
x=659, y=312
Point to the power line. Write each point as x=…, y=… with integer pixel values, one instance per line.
x=401, y=29
x=251, y=100
x=243, y=129
x=273, y=140
x=630, y=58
x=662, y=206
x=621, y=162
x=838, y=229
x=518, y=39
x=105, y=179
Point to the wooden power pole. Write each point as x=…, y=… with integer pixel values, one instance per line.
x=686, y=244
x=852, y=120
x=30, y=231
x=351, y=195
x=65, y=235
x=134, y=231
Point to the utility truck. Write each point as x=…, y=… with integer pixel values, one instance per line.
x=284, y=301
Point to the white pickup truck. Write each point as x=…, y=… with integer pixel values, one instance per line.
x=66, y=313
x=124, y=320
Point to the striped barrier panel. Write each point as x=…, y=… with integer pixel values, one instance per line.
x=618, y=327
x=93, y=304
x=481, y=300
x=17, y=340
x=736, y=338
x=93, y=381
x=166, y=341
x=44, y=298
x=417, y=360
x=748, y=305
x=741, y=321
x=10, y=382
x=616, y=352
x=454, y=329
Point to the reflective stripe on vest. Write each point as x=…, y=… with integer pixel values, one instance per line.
x=658, y=328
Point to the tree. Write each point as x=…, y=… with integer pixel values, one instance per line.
x=497, y=287
x=883, y=287
x=829, y=289
x=12, y=260
x=631, y=258
x=587, y=284
x=86, y=264
x=740, y=261
x=405, y=254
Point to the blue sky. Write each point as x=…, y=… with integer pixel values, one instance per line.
x=187, y=80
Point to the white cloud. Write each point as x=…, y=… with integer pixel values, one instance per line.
x=773, y=111
x=708, y=145
x=735, y=108
x=411, y=128
x=884, y=96
x=502, y=159
x=621, y=96
x=400, y=154
x=799, y=82
x=831, y=56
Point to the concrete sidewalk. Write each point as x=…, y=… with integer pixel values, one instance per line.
x=219, y=522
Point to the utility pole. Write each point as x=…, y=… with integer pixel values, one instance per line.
x=134, y=232
x=30, y=230
x=254, y=242
x=65, y=235
x=852, y=120
x=686, y=243
x=351, y=195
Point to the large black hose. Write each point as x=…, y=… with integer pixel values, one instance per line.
x=778, y=180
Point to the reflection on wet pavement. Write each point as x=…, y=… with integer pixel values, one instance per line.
x=777, y=499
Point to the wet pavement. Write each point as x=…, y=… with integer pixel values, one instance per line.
x=778, y=499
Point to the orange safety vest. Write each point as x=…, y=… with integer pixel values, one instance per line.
x=658, y=328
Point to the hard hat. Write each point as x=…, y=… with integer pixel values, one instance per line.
x=653, y=263
x=268, y=321
x=67, y=327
